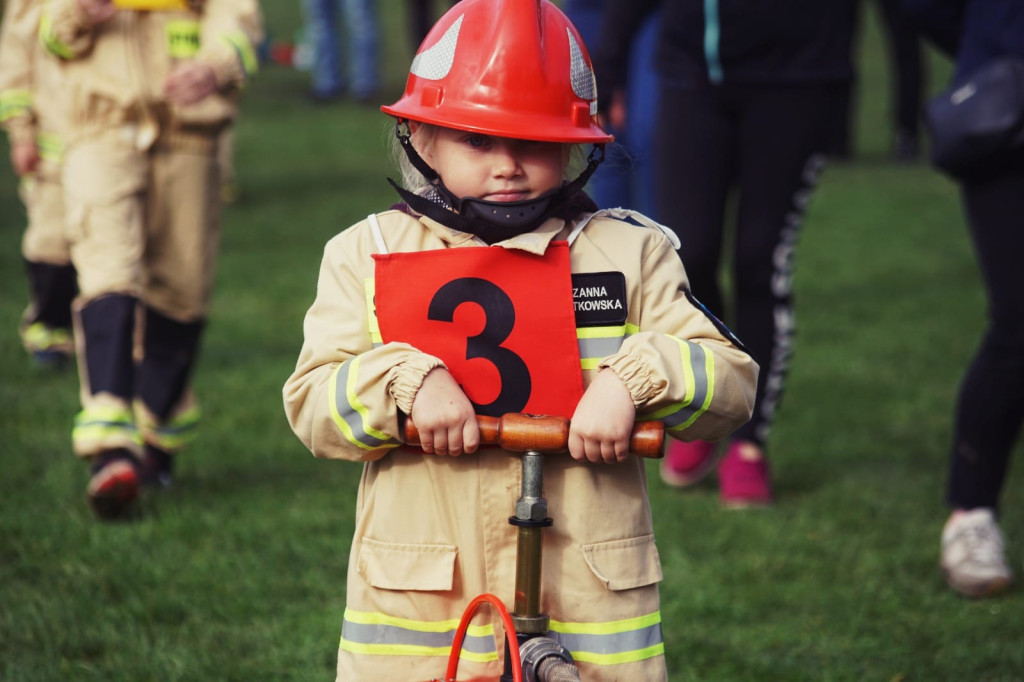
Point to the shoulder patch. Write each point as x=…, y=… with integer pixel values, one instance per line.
x=719, y=325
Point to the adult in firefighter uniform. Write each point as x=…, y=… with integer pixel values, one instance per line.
x=432, y=532
x=31, y=110
x=151, y=85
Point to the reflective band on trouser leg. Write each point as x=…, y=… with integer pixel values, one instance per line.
x=614, y=642
x=349, y=413
x=699, y=370
x=104, y=428
x=172, y=434
x=597, y=343
x=382, y=635
x=38, y=337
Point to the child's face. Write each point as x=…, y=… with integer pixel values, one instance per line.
x=495, y=168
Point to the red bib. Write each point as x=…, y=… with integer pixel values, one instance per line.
x=501, y=320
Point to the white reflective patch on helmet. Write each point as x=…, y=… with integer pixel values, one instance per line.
x=436, y=61
x=584, y=84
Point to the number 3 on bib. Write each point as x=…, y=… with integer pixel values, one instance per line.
x=501, y=320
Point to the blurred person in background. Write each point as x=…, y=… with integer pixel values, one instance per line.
x=155, y=85
x=990, y=406
x=745, y=99
x=626, y=178
x=31, y=112
x=908, y=73
x=356, y=73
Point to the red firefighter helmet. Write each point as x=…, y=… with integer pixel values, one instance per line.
x=510, y=68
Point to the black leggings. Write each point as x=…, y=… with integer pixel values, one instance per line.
x=765, y=143
x=990, y=408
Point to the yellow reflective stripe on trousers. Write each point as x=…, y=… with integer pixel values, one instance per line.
x=99, y=423
x=38, y=337
x=14, y=103
x=246, y=53
x=49, y=39
x=177, y=431
x=612, y=642
x=597, y=343
x=349, y=413
x=699, y=373
x=383, y=635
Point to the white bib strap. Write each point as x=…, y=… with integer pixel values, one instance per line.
x=378, y=236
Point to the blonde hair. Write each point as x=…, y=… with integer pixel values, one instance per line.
x=424, y=135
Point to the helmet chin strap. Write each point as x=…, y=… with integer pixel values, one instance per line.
x=492, y=221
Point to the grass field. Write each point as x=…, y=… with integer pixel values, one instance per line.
x=238, y=572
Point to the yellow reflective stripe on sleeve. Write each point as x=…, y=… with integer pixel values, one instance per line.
x=246, y=53
x=51, y=147
x=612, y=642
x=597, y=343
x=349, y=413
x=49, y=39
x=14, y=103
x=182, y=38
x=383, y=635
x=699, y=373
x=370, y=289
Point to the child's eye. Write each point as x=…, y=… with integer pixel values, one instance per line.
x=477, y=141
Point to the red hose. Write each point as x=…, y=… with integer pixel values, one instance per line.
x=510, y=637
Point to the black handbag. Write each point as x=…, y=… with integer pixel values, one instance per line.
x=978, y=124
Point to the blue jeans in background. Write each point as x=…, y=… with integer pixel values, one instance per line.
x=361, y=78
x=626, y=178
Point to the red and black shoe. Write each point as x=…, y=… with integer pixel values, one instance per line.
x=114, y=486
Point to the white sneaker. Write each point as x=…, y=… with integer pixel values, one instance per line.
x=973, y=555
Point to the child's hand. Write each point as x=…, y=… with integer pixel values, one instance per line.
x=603, y=420
x=190, y=82
x=24, y=157
x=444, y=416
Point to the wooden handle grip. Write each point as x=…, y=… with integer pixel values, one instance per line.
x=522, y=432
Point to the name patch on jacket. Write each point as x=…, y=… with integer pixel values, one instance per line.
x=501, y=320
x=599, y=299
x=182, y=38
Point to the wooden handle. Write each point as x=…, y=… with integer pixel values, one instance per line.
x=522, y=432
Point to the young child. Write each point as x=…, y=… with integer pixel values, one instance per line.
x=570, y=313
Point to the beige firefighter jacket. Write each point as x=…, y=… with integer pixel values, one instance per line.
x=116, y=70
x=432, y=532
x=31, y=89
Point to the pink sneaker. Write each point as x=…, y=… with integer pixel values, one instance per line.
x=687, y=463
x=744, y=477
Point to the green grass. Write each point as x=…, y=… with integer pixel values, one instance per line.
x=238, y=573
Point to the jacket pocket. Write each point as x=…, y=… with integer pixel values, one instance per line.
x=625, y=564
x=392, y=566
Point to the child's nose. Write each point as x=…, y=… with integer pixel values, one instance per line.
x=505, y=159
